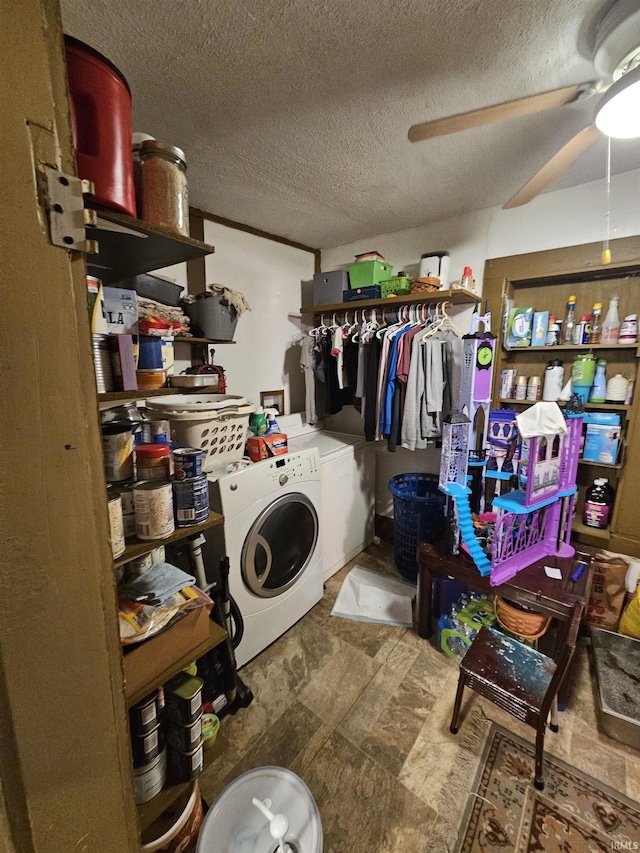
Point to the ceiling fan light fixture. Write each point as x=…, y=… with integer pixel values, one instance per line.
x=618, y=111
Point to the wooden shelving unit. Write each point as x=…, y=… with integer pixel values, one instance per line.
x=130, y=247
x=216, y=636
x=544, y=281
x=136, y=547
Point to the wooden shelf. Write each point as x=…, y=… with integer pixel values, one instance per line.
x=616, y=465
x=570, y=347
x=216, y=636
x=137, y=547
x=148, y=812
x=129, y=247
x=179, y=340
x=613, y=407
x=458, y=297
x=140, y=394
x=599, y=536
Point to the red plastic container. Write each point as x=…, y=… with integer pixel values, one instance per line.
x=101, y=122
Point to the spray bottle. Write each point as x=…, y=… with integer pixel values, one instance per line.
x=272, y=423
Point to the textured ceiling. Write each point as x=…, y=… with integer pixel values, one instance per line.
x=294, y=115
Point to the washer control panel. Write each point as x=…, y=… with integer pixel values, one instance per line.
x=293, y=467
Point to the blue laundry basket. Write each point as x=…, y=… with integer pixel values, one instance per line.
x=418, y=516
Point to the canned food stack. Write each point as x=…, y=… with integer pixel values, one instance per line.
x=152, y=487
x=167, y=740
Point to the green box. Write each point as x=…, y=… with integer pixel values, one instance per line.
x=364, y=273
x=398, y=285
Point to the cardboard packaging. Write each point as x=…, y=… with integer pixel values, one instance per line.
x=148, y=660
x=266, y=446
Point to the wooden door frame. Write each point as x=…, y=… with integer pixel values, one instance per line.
x=65, y=773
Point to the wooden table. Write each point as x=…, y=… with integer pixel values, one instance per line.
x=531, y=587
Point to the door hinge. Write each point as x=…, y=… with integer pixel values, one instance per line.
x=68, y=217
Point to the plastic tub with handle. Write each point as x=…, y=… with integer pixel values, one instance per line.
x=177, y=828
x=215, y=423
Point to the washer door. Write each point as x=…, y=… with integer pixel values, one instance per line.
x=279, y=545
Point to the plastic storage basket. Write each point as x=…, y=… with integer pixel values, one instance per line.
x=418, y=516
x=215, y=423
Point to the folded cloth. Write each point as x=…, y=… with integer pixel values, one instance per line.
x=157, y=584
x=541, y=419
x=233, y=297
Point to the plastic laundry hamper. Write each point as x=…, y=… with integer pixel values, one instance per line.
x=418, y=516
x=215, y=423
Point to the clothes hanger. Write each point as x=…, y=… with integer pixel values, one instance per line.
x=444, y=321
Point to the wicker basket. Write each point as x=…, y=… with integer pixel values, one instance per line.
x=425, y=285
x=522, y=623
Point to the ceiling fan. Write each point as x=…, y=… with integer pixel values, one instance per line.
x=617, y=62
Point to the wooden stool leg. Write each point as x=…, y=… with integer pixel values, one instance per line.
x=554, y=714
x=539, y=780
x=453, y=728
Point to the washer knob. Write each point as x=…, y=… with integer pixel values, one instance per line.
x=283, y=479
x=233, y=486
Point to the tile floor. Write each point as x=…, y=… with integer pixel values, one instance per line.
x=361, y=712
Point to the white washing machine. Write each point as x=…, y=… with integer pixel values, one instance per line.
x=272, y=536
x=347, y=469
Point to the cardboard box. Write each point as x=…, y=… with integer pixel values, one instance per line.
x=147, y=662
x=267, y=446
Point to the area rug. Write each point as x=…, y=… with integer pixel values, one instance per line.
x=574, y=813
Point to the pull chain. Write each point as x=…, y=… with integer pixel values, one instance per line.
x=606, y=252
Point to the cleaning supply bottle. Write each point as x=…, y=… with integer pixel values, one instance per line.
x=569, y=321
x=598, y=503
x=599, y=388
x=258, y=422
x=611, y=325
x=272, y=423
x=596, y=318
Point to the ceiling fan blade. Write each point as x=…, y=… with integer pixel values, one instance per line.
x=555, y=167
x=498, y=112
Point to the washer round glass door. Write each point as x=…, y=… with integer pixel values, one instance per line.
x=279, y=545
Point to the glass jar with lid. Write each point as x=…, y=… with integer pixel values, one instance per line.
x=163, y=184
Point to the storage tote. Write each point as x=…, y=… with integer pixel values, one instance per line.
x=212, y=317
x=364, y=273
x=418, y=516
x=215, y=423
x=328, y=287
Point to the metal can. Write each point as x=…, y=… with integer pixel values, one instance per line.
x=117, y=449
x=116, y=525
x=149, y=778
x=188, y=462
x=154, y=509
x=156, y=432
x=125, y=490
x=158, y=554
x=139, y=566
x=183, y=697
x=153, y=461
x=191, y=501
x=185, y=738
x=146, y=747
x=185, y=766
x=143, y=717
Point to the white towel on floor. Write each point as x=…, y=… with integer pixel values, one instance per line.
x=367, y=596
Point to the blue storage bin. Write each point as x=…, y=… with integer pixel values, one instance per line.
x=418, y=516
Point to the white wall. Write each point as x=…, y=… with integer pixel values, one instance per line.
x=265, y=356
x=556, y=219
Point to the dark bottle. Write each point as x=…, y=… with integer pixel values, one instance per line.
x=598, y=504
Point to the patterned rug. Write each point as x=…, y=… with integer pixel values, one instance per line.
x=574, y=813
